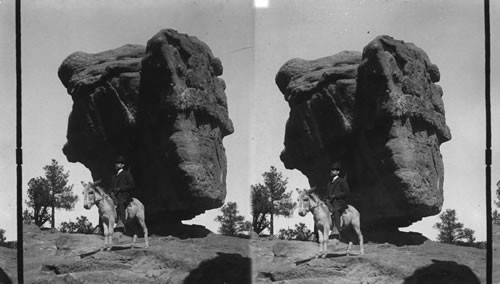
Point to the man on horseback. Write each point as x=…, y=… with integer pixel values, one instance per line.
x=337, y=193
x=123, y=185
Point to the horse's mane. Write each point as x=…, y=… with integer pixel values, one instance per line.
x=314, y=196
x=97, y=187
x=312, y=193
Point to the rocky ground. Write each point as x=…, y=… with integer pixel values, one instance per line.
x=496, y=253
x=294, y=262
x=74, y=258
x=8, y=265
x=210, y=258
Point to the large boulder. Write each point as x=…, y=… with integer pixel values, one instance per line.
x=380, y=116
x=183, y=118
x=164, y=108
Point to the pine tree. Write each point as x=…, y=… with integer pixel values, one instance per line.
x=2, y=236
x=270, y=199
x=231, y=222
x=451, y=231
x=468, y=235
x=50, y=192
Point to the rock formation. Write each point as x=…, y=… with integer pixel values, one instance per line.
x=380, y=116
x=164, y=108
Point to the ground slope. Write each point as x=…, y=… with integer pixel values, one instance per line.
x=496, y=253
x=294, y=262
x=75, y=258
x=8, y=265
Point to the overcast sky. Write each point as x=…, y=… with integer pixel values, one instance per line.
x=252, y=45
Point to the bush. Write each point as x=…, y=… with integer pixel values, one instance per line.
x=300, y=233
x=82, y=226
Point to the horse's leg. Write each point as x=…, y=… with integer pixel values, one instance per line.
x=321, y=239
x=130, y=216
x=349, y=247
x=326, y=234
x=105, y=232
x=357, y=227
x=111, y=223
x=141, y=219
x=133, y=225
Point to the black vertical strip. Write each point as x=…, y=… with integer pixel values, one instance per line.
x=19, y=150
x=489, y=226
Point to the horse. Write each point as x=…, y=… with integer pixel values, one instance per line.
x=94, y=194
x=310, y=201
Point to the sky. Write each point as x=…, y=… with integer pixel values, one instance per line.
x=252, y=45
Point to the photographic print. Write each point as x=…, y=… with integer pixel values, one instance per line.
x=263, y=141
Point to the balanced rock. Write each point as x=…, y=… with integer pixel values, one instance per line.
x=381, y=117
x=164, y=108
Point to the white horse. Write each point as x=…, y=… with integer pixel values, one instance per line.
x=310, y=201
x=95, y=194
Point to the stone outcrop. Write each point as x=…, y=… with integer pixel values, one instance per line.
x=164, y=108
x=8, y=265
x=296, y=262
x=380, y=116
x=200, y=257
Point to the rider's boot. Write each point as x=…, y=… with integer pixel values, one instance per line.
x=335, y=228
x=121, y=216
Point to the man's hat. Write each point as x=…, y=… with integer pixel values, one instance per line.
x=336, y=166
x=120, y=159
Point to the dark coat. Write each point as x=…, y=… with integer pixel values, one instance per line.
x=123, y=182
x=123, y=186
x=337, y=193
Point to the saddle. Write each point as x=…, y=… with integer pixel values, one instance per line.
x=330, y=207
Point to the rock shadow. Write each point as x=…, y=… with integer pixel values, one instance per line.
x=327, y=256
x=179, y=230
x=4, y=278
x=394, y=236
x=225, y=268
x=113, y=248
x=335, y=255
x=299, y=262
x=443, y=272
x=84, y=255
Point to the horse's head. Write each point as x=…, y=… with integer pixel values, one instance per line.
x=91, y=194
x=305, y=202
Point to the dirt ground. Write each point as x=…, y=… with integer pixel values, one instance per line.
x=496, y=253
x=294, y=262
x=8, y=265
x=75, y=258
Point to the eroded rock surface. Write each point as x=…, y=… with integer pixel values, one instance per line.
x=295, y=262
x=380, y=116
x=8, y=265
x=164, y=108
x=54, y=257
